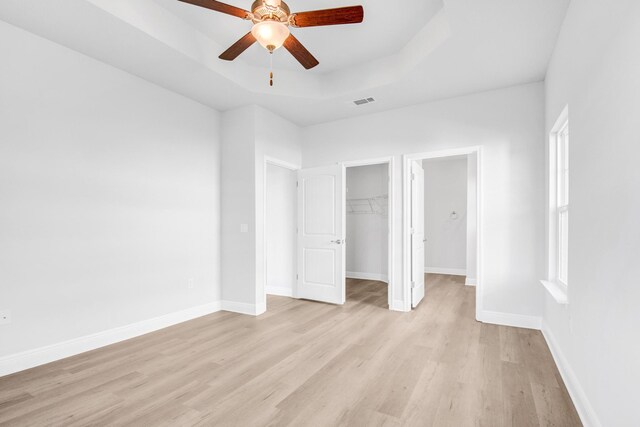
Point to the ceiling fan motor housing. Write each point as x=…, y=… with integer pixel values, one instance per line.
x=270, y=10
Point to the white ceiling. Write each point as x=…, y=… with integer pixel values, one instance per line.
x=384, y=31
x=439, y=49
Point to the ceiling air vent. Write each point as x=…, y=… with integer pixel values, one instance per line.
x=364, y=101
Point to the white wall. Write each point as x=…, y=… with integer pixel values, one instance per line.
x=445, y=192
x=509, y=125
x=109, y=196
x=367, y=236
x=280, y=230
x=595, y=70
x=238, y=207
x=249, y=134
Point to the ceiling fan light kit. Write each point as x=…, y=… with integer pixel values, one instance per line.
x=270, y=34
x=271, y=21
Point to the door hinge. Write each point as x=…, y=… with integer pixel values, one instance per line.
x=413, y=284
x=296, y=277
x=413, y=176
x=296, y=183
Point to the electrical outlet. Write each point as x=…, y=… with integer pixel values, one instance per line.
x=5, y=317
x=190, y=284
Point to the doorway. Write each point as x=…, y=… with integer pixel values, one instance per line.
x=280, y=218
x=441, y=221
x=445, y=215
x=383, y=208
x=367, y=234
x=322, y=201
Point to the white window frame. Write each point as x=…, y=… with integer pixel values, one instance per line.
x=562, y=202
x=557, y=279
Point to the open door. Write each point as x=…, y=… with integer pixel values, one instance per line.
x=417, y=233
x=321, y=255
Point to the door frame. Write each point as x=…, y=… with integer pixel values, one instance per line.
x=416, y=167
x=406, y=229
x=390, y=162
x=268, y=160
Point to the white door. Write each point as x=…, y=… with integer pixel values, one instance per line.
x=417, y=233
x=321, y=252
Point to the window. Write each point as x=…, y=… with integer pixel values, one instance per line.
x=562, y=202
x=557, y=279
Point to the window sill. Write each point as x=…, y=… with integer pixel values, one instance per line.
x=556, y=291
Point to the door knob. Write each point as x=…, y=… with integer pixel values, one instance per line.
x=337, y=242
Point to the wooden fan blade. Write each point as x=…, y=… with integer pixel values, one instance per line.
x=219, y=7
x=300, y=52
x=238, y=47
x=339, y=16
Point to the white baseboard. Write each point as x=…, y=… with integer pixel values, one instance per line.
x=367, y=276
x=244, y=308
x=586, y=412
x=279, y=291
x=398, y=305
x=509, y=319
x=261, y=308
x=39, y=356
x=450, y=271
x=470, y=281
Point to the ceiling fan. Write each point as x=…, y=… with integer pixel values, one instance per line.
x=271, y=20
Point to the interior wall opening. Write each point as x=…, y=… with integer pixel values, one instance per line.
x=367, y=234
x=443, y=222
x=280, y=230
x=445, y=218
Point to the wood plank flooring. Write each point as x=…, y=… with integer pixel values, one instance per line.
x=308, y=364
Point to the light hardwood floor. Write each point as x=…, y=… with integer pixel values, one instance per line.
x=308, y=364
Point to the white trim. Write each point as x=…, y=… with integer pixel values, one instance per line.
x=580, y=400
x=261, y=307
x=280, y=291
x=470, y=281
x=510, y=319
x=406, y=178
x=367, y=162
x=390, y=161
x=367, y=276
x=557, y=291
x=268, y=160
x=277, y=162
x=398, y=305
x=244, y=308
x=561, y=120
x=449, y=271
x=47, y=354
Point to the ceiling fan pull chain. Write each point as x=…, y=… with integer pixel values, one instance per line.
x=271, y=68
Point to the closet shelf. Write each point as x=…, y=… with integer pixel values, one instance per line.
x=377, y=205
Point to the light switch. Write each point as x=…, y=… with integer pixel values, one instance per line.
x=244, y=228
